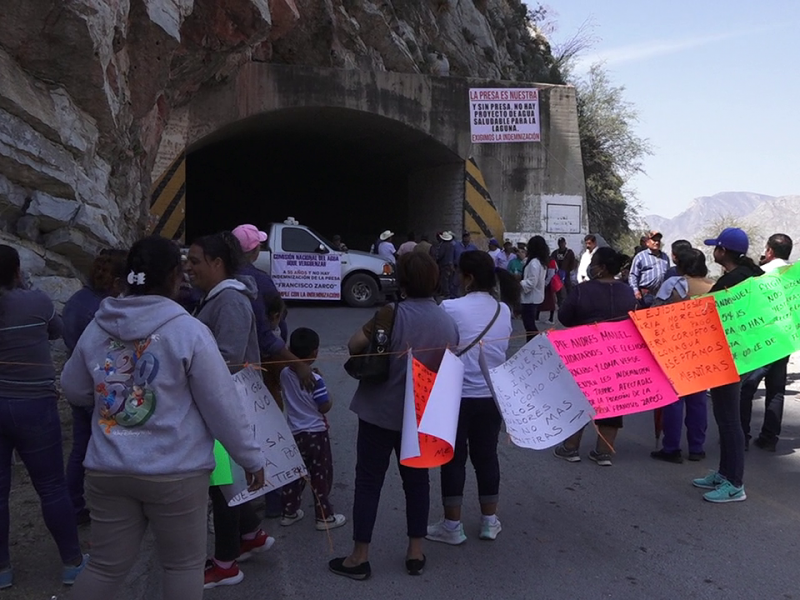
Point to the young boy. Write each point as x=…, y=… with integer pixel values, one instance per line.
x=305, y=414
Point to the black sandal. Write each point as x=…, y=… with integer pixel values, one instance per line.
x=359, y=572
x=414, y=566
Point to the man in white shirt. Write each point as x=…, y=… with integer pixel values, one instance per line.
x=408, y=245
x=495, y=252
x=386, y=249
x=586, y=258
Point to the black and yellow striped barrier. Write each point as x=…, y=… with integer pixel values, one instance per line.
x=481, y=217
x=168, y=202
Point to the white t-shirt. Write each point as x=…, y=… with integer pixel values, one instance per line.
x=386, y=251
x=583, y=265
x=302, y=406
x=774, y=264
x=534, y=280
x=472, y=314
x=406, y=247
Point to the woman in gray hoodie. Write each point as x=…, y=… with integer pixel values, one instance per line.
x=161, y=394
x=226, y=309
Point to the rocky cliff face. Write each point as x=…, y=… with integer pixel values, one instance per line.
x=87, y=86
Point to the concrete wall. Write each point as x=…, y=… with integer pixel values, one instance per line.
x=522, y=177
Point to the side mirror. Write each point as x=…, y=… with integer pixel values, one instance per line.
x=322, y=249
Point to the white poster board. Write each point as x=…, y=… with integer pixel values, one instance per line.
x=307, y=276
x=504, y=115
x=563, y=218
x=284, y=463
x=540, y=401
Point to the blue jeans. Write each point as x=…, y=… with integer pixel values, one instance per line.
x=33, y=428
x=81, y=432
x=725, y=401
x=774, y=376
x=696, y=423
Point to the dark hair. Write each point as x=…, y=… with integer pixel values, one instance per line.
x=157, y=258
x=425, y=237
x=691, y=262
x=304, y=342
x=9, y=266
x=590, y=238
x=481, y=267
x=226, y=247
x=679, y=245
x=275, y=304
x=417, y=274
x=109, y=266
x=608, y=258
x=537, y=248
x=738, y=259
x=625, y=260
x=781, y=245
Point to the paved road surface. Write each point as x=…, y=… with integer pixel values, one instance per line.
x=635, y=530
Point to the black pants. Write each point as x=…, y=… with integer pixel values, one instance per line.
x=478, y=429
x=529, y=314
x=725, y=401
x=230, y=524
x=373, y=450
x=774, y=377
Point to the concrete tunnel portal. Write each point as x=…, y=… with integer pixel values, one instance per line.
x=339, y=171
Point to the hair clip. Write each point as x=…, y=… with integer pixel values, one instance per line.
x=135, y=278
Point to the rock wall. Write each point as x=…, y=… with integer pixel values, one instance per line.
x=88, y=85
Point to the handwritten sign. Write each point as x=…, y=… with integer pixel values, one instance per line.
x=540, y=402
x=221, y=475
x=308, y=276
x=614, y=368
x=790, y=277
x=689, y=343
x=430, y=412
x=504, y=115
x=284, y=463
x=758, y=325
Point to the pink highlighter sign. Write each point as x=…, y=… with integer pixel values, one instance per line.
x=614, y=368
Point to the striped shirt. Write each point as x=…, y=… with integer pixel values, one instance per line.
x=28, y=321
x=648, y=271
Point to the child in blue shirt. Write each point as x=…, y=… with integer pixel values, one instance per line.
x=305, y=414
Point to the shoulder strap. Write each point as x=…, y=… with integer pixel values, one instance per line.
x=483, y=333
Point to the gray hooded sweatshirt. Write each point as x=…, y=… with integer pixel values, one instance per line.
x=160, y=389
x=227, y=311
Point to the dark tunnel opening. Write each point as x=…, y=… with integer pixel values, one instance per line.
x=338, y=171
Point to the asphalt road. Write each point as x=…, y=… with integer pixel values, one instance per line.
x=574, y=531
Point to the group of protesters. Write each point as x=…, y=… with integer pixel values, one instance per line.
x=156, y=335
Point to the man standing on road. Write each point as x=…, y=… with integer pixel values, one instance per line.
x=465, y=245
x=495, y=252
x=565, y=261
x=386, y=249
x=424, y=245
x=648, y=270
x=779, y=247
x=445, y=259
x=590, y=241
x=408, y=245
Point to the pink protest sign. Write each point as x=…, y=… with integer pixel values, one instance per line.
x=614, y=368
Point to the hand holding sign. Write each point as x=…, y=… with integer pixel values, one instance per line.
x=430, y=413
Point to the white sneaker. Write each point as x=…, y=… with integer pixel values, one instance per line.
x=440, y=533
x=331, y=522
x=489, y=530
x=291, y=520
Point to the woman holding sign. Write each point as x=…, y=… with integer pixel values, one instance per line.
x=423, y=326
x=484, y=326
x=227, y=311
x=157, y=384
x=602, y=298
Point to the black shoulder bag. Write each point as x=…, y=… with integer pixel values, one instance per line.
x=372, y=366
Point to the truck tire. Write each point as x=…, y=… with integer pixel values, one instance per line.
x=360, y=291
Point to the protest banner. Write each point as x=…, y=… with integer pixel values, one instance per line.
x=614, y=368
x=758, y=325
x=283, y=461
x=540, y=401
x=689, y=343
x=308, y=276
x=790, y=277
x=430, y=412
x=504, y=115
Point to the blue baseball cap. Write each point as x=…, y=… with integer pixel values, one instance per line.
x=493, y=242
x=731, y=238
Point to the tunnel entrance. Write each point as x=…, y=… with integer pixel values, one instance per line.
x=338, y=171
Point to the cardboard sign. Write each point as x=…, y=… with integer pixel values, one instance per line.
x=689, y=343
x=614, y=368
x=430, y=412
x=284, y=463
x=540, y=402
x=307, y=276
x=504, y=115
x=221, y=475
x=758, y=325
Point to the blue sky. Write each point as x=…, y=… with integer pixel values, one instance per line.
x=716, y=84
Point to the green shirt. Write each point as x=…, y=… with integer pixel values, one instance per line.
x=515, y=266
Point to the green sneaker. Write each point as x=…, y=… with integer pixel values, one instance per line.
x=727, y=492
x=710, y=482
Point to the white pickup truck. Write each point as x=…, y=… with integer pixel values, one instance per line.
x=305, y=266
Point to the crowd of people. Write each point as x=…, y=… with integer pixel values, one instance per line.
x=155, y=336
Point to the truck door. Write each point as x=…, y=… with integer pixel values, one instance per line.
x=305, y=268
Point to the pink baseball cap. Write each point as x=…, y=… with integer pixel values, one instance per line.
x=249, y=237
